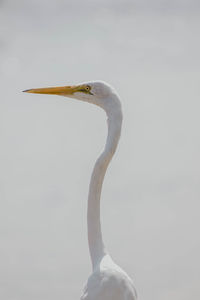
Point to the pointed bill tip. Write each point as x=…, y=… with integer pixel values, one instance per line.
x=26, y=91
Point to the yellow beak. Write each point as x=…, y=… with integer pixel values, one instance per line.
x=60, y=90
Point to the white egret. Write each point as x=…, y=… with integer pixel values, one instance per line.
x=107, y=281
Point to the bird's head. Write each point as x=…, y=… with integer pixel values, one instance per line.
x=96, y=92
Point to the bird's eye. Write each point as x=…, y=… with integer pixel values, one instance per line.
x=87, y=88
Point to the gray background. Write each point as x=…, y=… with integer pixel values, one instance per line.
x=148, y=50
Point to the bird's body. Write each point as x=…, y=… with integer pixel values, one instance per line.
x=107, y=281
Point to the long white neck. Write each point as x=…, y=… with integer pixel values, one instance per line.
x=96, y=245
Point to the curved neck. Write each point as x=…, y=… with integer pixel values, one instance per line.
x=96, y=245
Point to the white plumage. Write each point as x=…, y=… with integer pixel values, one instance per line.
x=107, y=281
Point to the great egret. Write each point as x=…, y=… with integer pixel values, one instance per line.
x=107, y=281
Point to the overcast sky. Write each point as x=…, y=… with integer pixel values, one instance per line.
x=149, y=51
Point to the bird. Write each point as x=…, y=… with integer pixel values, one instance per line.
x=107, y=280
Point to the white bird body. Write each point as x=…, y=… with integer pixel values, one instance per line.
x=108, y=281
